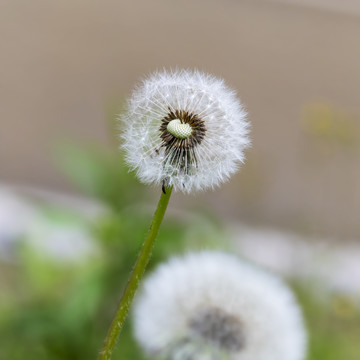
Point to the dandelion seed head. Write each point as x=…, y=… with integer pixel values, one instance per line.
x=185, y=129
x=213, y=306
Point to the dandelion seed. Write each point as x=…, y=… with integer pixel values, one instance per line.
x=212, y=306
x=184, y=129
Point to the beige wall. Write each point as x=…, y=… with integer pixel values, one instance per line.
x=350, y=7
x=296, y=69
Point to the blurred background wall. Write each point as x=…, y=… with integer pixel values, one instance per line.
x=65, y=65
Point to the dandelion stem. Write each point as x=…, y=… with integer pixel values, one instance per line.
x=135, y=277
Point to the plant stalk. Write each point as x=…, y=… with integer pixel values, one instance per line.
x=135, y=277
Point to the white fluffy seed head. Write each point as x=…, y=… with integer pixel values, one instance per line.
x=212, y=306
x=201, y=150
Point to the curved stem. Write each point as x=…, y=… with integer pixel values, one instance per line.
x=135, y=277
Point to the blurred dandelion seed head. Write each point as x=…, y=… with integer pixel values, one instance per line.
x=213, y=306
x=184, y=129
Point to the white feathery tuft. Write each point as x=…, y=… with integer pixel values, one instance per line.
x=213, y=306
x=204, y=159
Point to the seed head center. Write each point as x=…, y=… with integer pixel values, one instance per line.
x=218, y=328
x=178, y=129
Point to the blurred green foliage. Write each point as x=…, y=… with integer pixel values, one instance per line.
x=52, y=310
x=99, y=173
x=333, y=324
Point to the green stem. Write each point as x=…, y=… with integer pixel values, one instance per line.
x=135, y=277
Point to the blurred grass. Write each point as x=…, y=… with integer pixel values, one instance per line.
x=333, y=334
x=51, y=310
x=99, y=173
